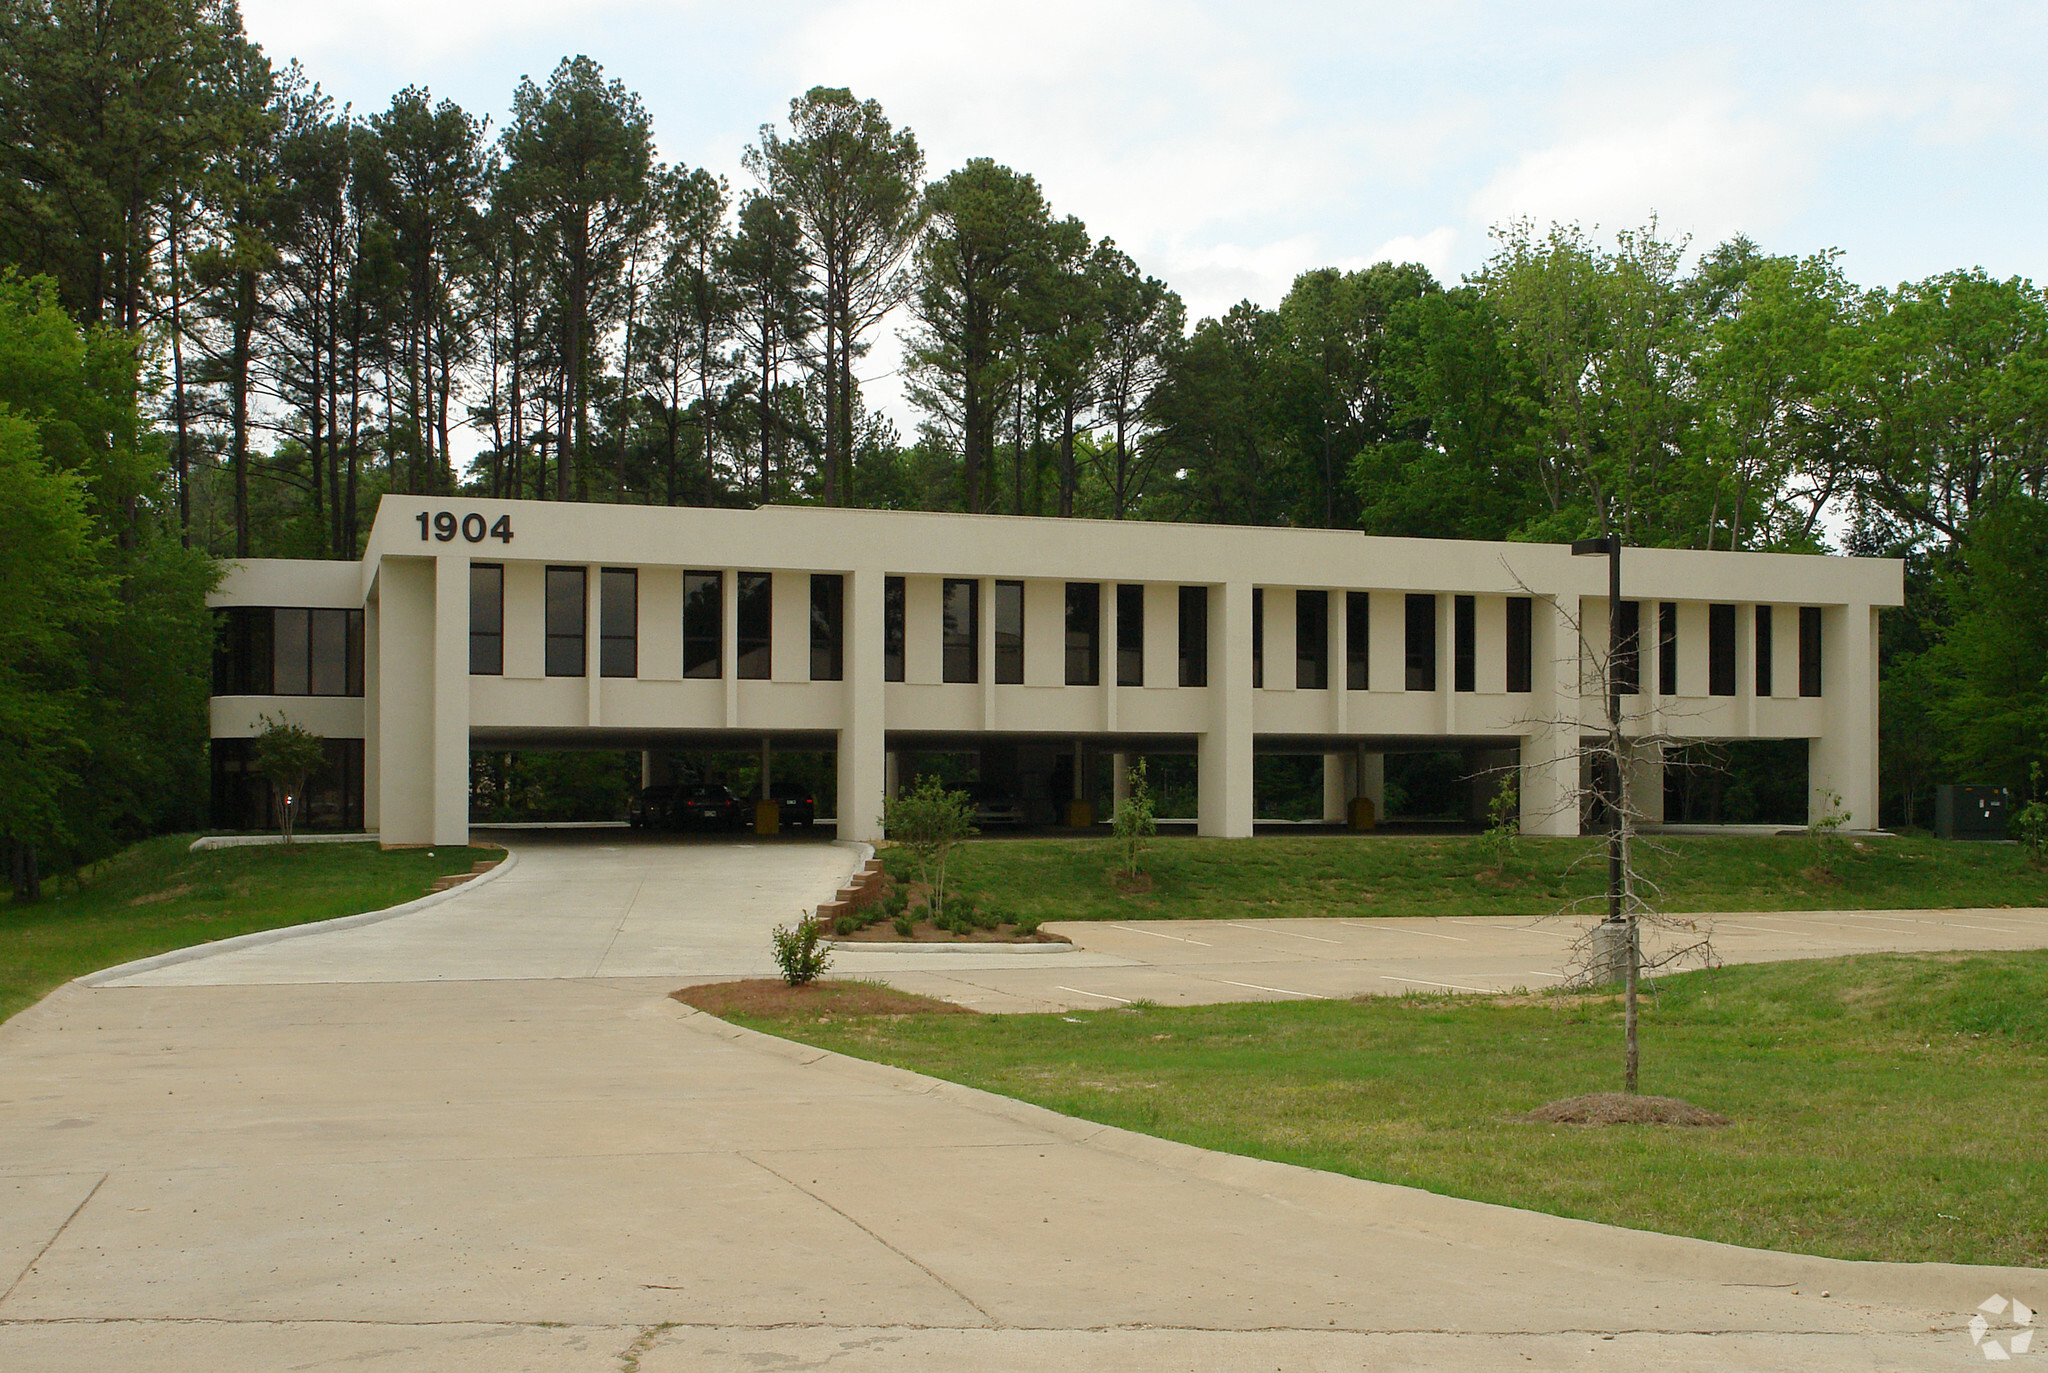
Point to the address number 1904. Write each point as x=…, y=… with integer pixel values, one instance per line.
x=444, y=525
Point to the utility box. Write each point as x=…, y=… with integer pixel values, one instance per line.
x=1361, y=816
x=1080, y=815
x=1971, y=812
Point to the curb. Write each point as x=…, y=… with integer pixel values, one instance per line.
x=911, y=947
x=258, y=938
x=243, y=841
x=1945, y=1288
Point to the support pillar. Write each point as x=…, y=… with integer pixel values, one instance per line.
x=1337, y=770
x=451, y=700
x=861, y=752
x=1370, y=780
x=1843, y=758
x=1224, y=761
x=1645, y=762
x=1119, y=780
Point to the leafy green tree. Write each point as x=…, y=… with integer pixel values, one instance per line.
x=1141, y=320
x=579, y=171
x=287, y=756
x=930, y=821
x=1992, y=662
x=1212, y=423
x=1134, y=820
x=763, y=268
x=851, y=178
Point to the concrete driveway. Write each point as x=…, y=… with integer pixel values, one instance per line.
x=536, y=1163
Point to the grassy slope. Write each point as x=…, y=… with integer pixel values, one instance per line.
x=156, y=896
x=1068, y=879
x=1884, y=1107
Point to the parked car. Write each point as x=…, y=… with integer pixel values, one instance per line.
x=650, y=807
x=794, y=804
x=707, y=806
x=993, y=806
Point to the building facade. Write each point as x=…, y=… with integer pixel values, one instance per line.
x=476, y=623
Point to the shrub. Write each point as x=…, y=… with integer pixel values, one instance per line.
x=1825, y=829
x=286, y=756
x=846, y=924
x=799, y=953
x=1134, y=821
x=903, y=925
x=929, y=820
x=1504, y=832
x=1027, y=925
x=2029, y=824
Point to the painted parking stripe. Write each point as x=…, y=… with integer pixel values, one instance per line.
x=1453, y=986
x=1264, y=929
x=1179, y=939
x=1284, y=991
x=1368, y=925
x=1079, y=991
x=1519, y=929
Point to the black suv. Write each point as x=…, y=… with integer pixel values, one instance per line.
x=706, y=806
x=650, y=807
x=794, y=804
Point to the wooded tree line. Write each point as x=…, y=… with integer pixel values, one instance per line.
x=324, y=304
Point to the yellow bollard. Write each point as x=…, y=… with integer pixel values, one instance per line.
x=767, y=817
x=1080, y=815
x=1362, y=815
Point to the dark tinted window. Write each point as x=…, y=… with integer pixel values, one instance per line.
x=1721, y=650
x=1358, y=640
x=1312, y=640
x=327, y=652
x=892, y=629
x=1194, y=636
x=1628, y=654
x=292, y=644
x=1667, y=648
x=1465, y=643
x=1421, y=614
x=960, y=614
x=1809, y=650
x=618, y=613
x=756, y=610
x=565, y=616
x=1258, y=636
x=1763, y=650
x=1130, y=636
x=487, y=619
x=828, y=609
x=1084, y=633
x=1010, y=632
x=703, y=624
x=1521, y=642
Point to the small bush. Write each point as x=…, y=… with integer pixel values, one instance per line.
x=799, y=952
x=846, y=924
x=895, y=901
x=1027, y=925
x=903, y=926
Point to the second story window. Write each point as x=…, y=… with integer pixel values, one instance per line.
x=892, y=629
x=756, y=609
x=1084, y=633
x=1258, y=636
x=487, y=619
x=1720, y=650
x=828, y=621
x=1809, y=650
x=1521, y=642
x=618, y=613
x=1667, y=648
x=1194, y=636
x=1763, y=650
x=1628, y=653
x=1010, y=633
x=1465, y=643
x=1421, y=645
x=565, y=621
x=703, y=624
x=287, y=651
x=1311, y=640
x=1130, y=635
x=1357, y=641
x=960, y=616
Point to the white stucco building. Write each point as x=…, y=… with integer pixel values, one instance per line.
x=504, y=624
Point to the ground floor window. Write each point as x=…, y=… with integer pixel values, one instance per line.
x=243, y=799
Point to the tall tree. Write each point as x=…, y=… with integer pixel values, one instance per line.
x=1141, y=321
x=764, y=268
x=579, y=165
x=852, y=180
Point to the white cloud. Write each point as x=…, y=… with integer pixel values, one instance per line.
x=408, y=31
x=1433, y=250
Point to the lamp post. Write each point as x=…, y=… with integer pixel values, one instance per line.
x=1610, y=546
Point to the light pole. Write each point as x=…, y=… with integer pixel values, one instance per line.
x=1610, y=545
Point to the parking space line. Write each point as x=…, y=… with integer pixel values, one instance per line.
x=1453, y=986
x=1368, y=925
x=1077, y=991
x=1181, y=939
x=1263, y=929
x=1523, y=929
x=1284, y=991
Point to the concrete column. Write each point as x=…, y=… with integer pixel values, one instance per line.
x=1550, y=747
x=1550, y=781
x=1336, y=787
x=646, y=767
x=1224, y=762
x=406, y=624
x=451, y=700
x=891, y=786
x=1645, y=763
x=1369, y=779
x=373, y=733
x=862, y=720
x=1844, y=757
x=1119, y=780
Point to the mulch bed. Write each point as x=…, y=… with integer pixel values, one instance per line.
x=924, y=932
x=1622, y=1108
x=770, y=998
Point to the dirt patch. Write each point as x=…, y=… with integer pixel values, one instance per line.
x=1621, y=1108
x=770, y=998
x=167, y=894
x=1131, y=884
x=924, y=932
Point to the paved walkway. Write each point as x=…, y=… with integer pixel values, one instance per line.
x=529, y=1168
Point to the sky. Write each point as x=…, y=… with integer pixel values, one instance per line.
x=1228, y=147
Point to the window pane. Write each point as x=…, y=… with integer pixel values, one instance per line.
x=1130, y=636
x=329, y=633
x=1010, y=632
x=961, y=625
x=289, y=659
x=703, y=623
x=1521, y=645
x=1465, y=643
x=1628, y=657
x=1311, y=640
x=1258, y=636
x=756, y=617
x=355, y=653
x=618, y=609
x=565, y=617
x=828, y=599
x=1357, y=641
x=892, y=629
x=1084, y=633
x=1763, y=650
x=1721, y=650
x=486, y=619
x=1194, y=636
x=1421, y=645
x=1667, y=648
x=1809, y=650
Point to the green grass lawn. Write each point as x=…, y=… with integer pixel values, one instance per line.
x=1883, y=1107
x=156, y=897
x=1195, y=879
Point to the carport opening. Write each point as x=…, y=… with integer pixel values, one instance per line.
x=539, y=786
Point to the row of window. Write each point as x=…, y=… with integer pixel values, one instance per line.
x=291, y=651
